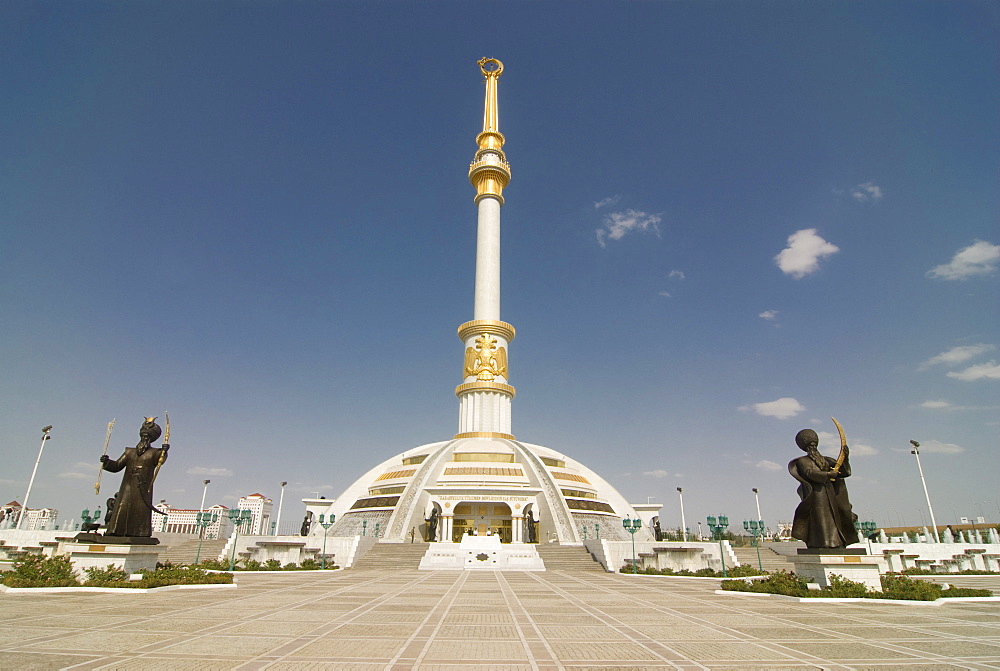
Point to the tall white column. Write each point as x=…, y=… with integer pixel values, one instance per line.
x=485, y=393
x=487, y=305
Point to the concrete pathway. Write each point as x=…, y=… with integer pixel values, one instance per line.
x=410, y=619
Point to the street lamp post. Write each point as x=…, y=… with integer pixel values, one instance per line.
x=237, y=517
x=203, y=519
x=204, y=493
x=718, y=528
x=281, y=501
x=755, y=527
x=364, y=527
x=632, y=526
x=597, y=531
x=24, y=507
x=326, y=527
x=916, y=452
x=680, y=495
x=756, y=496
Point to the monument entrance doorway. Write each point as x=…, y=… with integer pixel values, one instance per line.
x=482, y=518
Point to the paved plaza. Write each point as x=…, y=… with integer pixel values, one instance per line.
x=408, y=619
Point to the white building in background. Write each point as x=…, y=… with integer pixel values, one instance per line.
x=260, y=514
x=185, y=521
x=40, y=518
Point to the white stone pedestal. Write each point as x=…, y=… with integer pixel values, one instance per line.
x=131, y=558
x=861, y=568
x=482, y=553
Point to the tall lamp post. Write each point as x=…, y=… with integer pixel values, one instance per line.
x=238, y=518
x=632, y=526
x=755, y=527
x=718, y=528
x=326, y=527
x=281, y=501
x=203, y=520
x=204, y=493
x=24, y=508
x=756, y=496
x=680, y=495
x=916, y=452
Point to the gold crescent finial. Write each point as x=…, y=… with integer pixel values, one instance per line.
x=495, y=71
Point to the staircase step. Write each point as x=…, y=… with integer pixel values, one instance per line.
x=567, y=558
x=383, y=556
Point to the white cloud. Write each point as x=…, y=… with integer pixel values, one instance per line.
x=862, y=450
x=769, y=315
x=81, y=470
x=805, y=249
x=866, y=191
x=617, y=224
x=679, y=274
x=783, y=408
x=938, y=447
x=604, y=202
x=830, y=444
x=766, y=465
x=981, y=371
x=665, y=294
x=218, y=472
x=957, y=355
x=937, y=405
x=658, y=473
x=979, y=258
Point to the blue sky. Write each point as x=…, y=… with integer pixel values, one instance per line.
x=727, y=222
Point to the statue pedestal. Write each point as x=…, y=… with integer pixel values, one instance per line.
x=820, y=563
x=482, y=553
x=130, y=557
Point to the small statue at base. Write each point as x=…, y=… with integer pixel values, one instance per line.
x=132, y=515
x=307, y=523
x=529, y=525
x=432, y=526
x=824, y=518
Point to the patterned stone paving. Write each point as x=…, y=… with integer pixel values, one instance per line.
x=446, y=621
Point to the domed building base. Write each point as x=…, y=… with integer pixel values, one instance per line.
x=496, y=488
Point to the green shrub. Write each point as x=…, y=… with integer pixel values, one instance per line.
x=39, y=571
x=842, y=588
x=272, y=565
x=744, y=570
x=213, y=565
x=894, y=586
x=787, y=584
x=182, y=575
x=110, y=576
x=964, y=591
x=310, y=564
x=252, y=565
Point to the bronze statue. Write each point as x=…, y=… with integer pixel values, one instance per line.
x=132, y=515
x=307, y=523
x=824, y=518
x=111, y=508
x=432, y=525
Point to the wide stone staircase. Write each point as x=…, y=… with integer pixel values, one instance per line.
x=567, y=558
x=390, y=556
x=771, y=560
x=186, y=551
